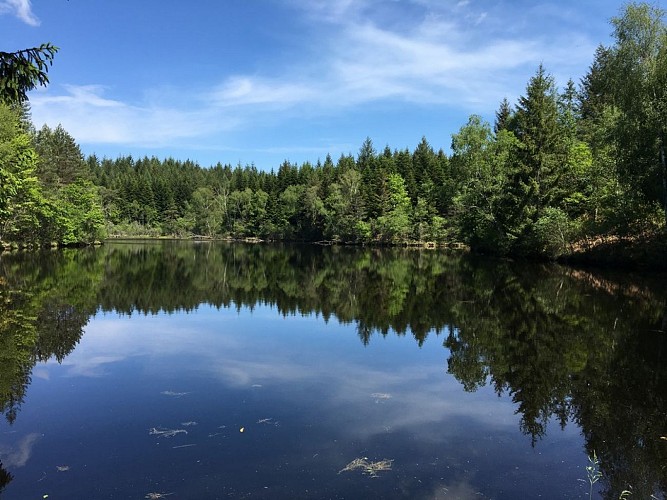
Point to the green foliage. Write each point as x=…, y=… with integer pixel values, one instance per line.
x=503, y=116
x=635, y=69
x=66, y=210
x=208, y=212
x=555, y=171
x=20, y=195
x=79, y=215
x=542, y=155
x=395, y=226
x=482, y=166
x=60, y=159
x=23, y=70
x=552, y=233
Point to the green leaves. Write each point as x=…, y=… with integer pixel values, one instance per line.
x=19, y=190
x=635, y=72
x=24, y=70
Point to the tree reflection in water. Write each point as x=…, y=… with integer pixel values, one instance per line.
x=565, y=344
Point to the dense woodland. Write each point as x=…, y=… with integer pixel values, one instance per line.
x=558, y=168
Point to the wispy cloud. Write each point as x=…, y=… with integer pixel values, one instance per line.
x=21, y=9
x=244, y=90
x=19, y=455
x=423, y=52
x=88, y=115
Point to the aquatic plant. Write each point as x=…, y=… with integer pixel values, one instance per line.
x=366, y=467
x=167, y=433
x=268, y=421
x=174, y=394
x=380, y=396
x=593, y=472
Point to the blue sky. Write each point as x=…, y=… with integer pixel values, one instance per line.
x=262, y=81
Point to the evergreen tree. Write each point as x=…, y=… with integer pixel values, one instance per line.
x=405, y=168
x=23, y=70
x=60, y=158
x=503, y=116
x=540, y=160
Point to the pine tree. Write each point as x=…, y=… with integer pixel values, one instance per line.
x=540, y=159
x=60, y=158
x=539, y=166
x=503, y=116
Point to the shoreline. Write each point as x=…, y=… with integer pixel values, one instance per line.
x=647, y=253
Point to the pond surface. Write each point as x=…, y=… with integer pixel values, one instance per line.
x=183, y=370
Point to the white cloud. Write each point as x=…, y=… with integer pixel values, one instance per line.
x=442, y=54
x=434, y=63
x=424, y=69
x=205, y=339
x=21, y=9
x=18, y=456
x=246, y=90
x=91, y=117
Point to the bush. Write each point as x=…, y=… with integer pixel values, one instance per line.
x=551, y=234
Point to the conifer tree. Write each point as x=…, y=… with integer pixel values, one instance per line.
x=540, y=159
x=503, y=116
x=60, y=159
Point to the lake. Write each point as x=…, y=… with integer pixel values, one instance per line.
x=214, y=370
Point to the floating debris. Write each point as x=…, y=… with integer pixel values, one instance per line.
x=188, y=424
x=62, y=468
x=370, y=468
x=242, y=429
x=257, y=386
x=380, y=396
x=268, y=421
x=157, y=496
x=167, y=433
x=174, y=394
x=183, y=446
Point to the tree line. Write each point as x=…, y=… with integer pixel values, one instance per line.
x=558, y=167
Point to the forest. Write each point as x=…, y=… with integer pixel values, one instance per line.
x=557, y=171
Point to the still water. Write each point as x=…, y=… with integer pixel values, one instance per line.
x=182, y=370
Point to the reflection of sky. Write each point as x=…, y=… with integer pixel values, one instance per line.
x=18, y=455
x=263, y=348
x=316, y=382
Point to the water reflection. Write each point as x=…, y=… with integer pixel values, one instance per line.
x=565, y=345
